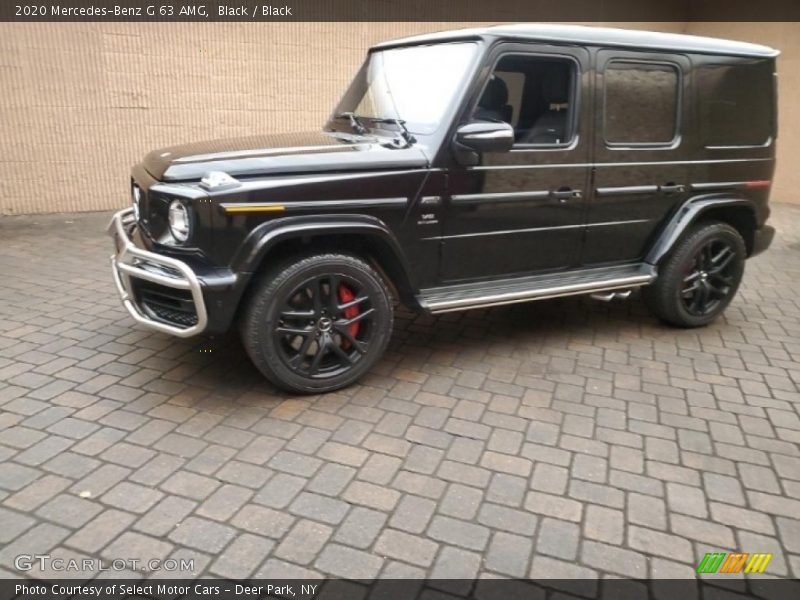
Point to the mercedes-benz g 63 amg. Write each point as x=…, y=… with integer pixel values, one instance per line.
x=461, y=170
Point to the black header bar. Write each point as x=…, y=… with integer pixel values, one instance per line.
x=489, y=11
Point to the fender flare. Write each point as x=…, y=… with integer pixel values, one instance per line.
x=267, y=236
x=685, y=216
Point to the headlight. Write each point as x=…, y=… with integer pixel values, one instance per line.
x=136, y=196
x=179, y=221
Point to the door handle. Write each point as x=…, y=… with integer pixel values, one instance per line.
x=672, y=188
x=564, y=194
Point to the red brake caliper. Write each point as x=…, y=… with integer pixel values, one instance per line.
x=346, y=295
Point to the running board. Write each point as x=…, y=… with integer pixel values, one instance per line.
x=538, y=287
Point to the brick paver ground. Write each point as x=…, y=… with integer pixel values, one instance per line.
x=564, y=438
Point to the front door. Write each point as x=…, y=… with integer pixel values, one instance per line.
x=521, y=212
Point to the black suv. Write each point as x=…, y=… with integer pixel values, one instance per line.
x=461, y=170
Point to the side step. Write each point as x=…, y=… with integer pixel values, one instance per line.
x=537, y=287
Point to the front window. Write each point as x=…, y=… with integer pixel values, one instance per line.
x=415, y=84
x=535, y=95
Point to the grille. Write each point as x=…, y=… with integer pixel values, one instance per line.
x=174, y=317
x=174, y=307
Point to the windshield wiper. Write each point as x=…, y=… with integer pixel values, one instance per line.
x=355, y=122
x=404, y=132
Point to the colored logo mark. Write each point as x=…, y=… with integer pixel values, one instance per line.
x=723, y=562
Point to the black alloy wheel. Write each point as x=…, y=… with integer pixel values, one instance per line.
x=700, y=277
x=325, y=326
x=317, y=323
x=710, y=278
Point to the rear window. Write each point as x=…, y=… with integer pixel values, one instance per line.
x=736, y=104
x=641, y=103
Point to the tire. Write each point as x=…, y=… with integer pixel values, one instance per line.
x=700, y=277
x=305, y=339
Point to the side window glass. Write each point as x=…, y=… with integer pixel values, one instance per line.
x=641, y=103
x=515, y=84
x=535, y=95
x=732, y=108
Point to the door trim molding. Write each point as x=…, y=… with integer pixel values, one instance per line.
x=500, y=197
x=532, y=229
x=626, y=190
x=620, y=164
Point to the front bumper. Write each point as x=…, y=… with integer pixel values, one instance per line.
x=131, y=263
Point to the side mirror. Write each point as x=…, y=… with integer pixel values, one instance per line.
x=486, y=136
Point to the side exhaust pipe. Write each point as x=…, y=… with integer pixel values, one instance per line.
x=609, y=296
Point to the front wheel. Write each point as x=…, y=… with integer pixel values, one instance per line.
x=318, y=323
x=699, y=279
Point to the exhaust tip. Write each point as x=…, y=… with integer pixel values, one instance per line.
x=609, y=296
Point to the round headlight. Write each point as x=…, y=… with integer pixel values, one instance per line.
x=179, y=221
x=136, y=196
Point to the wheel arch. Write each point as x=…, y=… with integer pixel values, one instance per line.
x=739, y=213
x=362, y=235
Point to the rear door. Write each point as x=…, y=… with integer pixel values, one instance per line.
x=640, y=151
x=521, y=212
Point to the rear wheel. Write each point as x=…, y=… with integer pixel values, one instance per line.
x=700, y=278
x=318, y=323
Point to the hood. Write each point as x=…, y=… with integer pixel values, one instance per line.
x=277, y=154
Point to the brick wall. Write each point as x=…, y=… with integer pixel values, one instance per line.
x=80, y=103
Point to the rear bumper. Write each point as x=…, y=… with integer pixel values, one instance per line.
x=762, y=239
x=131, y=263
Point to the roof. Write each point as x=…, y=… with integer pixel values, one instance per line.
x=601, y=36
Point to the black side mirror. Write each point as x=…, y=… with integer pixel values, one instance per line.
x=482, y=136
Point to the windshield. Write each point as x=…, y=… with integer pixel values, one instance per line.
x=415, y=84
